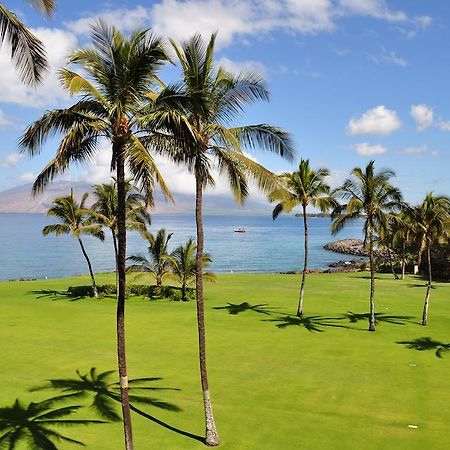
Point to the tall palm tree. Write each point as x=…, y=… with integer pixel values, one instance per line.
x=303, y=187
x=27, y=51
x=203, y=137
x=74, y=220
x=32, y=425
x=104, y=210
x=431, y=217
x=116, y=75
x=159, y=263
x=184, y=266
x=369, y=194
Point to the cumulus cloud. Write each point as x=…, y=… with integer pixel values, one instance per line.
x=11, y=160
x=248, y=66
x=380, y=121
x=389, y=57
x=58, y=44
x=444, y=125
x=435, y=154
x=4, y=121
x=423, y=115
x=366, y=149
x=415, y=151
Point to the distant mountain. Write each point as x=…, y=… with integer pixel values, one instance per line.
x=19, y=199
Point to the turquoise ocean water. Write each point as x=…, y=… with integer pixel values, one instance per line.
x=267, y=246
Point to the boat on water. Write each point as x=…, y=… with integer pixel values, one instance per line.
x=239, y=230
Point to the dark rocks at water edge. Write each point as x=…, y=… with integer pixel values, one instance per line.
x=351, y=247
x=353, y=265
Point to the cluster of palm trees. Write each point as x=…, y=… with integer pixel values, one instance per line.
x=122, y=101
x=389, y=223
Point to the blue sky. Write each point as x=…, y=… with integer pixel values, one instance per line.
x=352, y=80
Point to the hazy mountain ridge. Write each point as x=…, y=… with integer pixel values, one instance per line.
x=20, y=200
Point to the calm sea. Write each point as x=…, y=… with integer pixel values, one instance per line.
x=267, y=246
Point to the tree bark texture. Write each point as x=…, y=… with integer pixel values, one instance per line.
x=211, y=436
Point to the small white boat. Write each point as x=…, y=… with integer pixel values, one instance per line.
x=239, y=230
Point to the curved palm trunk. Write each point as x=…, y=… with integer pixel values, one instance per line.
x=305, y=265
x=116, y=253
x=211, y=436
x=391, y=262
x=372, y=285
x=121, y=286
x=94, y=286
x=427, y=295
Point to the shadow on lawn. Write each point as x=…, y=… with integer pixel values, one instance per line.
x=310, y=323
x=105, y=396
x=235, y=309
x=427, y=343
x=379, y=317
x=52, y=294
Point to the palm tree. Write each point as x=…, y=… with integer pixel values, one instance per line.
x=370, y=195
x=203, y=137
x=74, y=220
x=159, y=263
x=431, y=217
x=184, y=266
x=119, y=75
x=27, y=51
x=303, y=187
x=104, y=211
x=33, y=425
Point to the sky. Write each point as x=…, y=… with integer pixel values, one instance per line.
x=351, y=80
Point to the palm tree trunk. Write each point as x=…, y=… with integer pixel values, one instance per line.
x=121, y=286
x=183, y=291
x=427, y=295
x=391, y=262
x=211, y=436
x=305, y=265
x=116, y=256
x=403, y=261
x=94, y=286
x=372, y=285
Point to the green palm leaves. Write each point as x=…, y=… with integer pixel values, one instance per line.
x=27, y=51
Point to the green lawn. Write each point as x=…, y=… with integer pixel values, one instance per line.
x=325, y=383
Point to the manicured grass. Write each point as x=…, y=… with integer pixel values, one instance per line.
x=274, y=384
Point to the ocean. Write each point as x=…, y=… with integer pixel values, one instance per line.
x=267, y=246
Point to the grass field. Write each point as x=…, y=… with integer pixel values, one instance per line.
x=276, y=383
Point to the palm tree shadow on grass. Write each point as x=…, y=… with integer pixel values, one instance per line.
x=235, y=309
x=53, y=294
x=310, y=323
x=106, y=394
x=379, y=317
x=32, y=425
x=427, y=343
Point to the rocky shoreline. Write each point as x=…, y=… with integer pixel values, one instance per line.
x=353, y=247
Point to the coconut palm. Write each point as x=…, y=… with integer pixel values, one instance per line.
x=74, y=220
x=369, y=194
x=116, y=74
x=303, y=187
x=204, y=138
x=104, y=210
x=27, y=51
x=159, y=264
x=32, y=425
x=184, y=266
x=431, y=217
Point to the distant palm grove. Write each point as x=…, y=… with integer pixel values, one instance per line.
x=118, y=99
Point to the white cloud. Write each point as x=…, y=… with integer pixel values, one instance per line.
x=28, y=176
x=444, y=125
x=389, y=57
x=4, y=121
x=98, y=170
x=58, y=44
x=366, y=149
x=415, y=151
x=12, y=159
x=379, y=120
x=423, y=115
x=243, y=66
x=377, y=9
x=435, y=153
